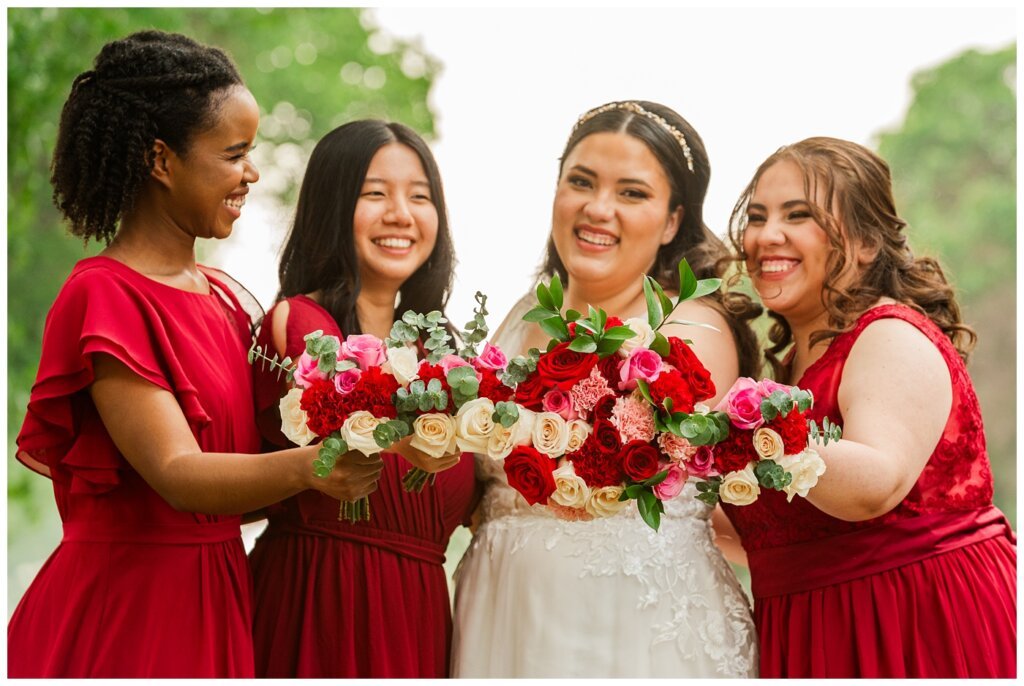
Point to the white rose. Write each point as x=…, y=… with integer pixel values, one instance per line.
x=402, y=364
x=358, y=432
x=503, y=439
x=293, y=419
x=434, y=434
x=740, y=487
x=805, y=467
x=604, y=501
x=643, y=338
x=570, y=490
x=550, y=434
x=579, y=431
x=768, y=444
x=473, y=425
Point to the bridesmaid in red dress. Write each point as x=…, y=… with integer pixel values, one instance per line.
x=143, y=397
x=370, y=599
x=897, y=564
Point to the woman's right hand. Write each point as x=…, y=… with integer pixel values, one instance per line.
x=354, y=476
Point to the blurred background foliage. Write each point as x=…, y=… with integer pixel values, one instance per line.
x=953, y=160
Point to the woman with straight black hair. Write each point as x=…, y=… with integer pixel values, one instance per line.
x=367, y=599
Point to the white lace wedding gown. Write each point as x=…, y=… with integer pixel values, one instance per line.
x=538, y=596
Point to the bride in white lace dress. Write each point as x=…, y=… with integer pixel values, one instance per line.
x=538, y=596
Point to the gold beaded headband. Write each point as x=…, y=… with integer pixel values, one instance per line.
x=630, y=106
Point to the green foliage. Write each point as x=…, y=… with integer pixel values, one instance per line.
x=506, y=413
x=464, y=384
x=826, y=432
x=413, y=325
x=332, y=448
x=257, y=353
x=519, y=367
x=770, y=474
x=707, y=491
x=476, y=330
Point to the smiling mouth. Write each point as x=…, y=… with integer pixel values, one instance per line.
x=595, y=237
x=393, y=243
x=778, y=266
x=235, y=202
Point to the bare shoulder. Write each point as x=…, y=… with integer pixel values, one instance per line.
x=279, y=326
x=700, y=312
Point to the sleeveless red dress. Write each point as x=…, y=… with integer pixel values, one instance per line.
x=926, y=590
x=135, y=588
x=336, y=599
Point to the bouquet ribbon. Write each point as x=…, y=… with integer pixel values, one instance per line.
x=838, y=559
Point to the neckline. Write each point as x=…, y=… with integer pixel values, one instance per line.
x=124, y=268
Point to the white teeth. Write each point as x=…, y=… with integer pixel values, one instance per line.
x=398, y=243
x=596, y=238
x=235, y=202
x=775, y=266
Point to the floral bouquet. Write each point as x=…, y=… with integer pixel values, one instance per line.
x=612, y=411
x=366, y=394
x=768, y=445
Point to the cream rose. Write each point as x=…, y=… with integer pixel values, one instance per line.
x=293, y=419
x=768, y=444
x=806, y=467
x=434, y=434
x=358, y=432
x=740, y=487
x=579, y=431
x=570, y=490
x=402, y=364
x=550, y=435
x=604, y=501
x=643, y=338
x=473, y=425
x=503, y=439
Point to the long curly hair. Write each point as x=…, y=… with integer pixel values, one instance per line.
x=706, y=253
x=319, y=253
x=149, y=85
x=855, y=186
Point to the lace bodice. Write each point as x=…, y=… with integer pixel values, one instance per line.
x=956, y=477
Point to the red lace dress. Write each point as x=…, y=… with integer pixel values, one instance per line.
x=926, y=590
x=135, y=588
x=368, y=600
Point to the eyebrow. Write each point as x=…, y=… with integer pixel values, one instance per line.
x=374, y=179
x=591, y=172
x=785, y=205
x=237, y=146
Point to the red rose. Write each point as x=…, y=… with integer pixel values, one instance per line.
x=671, y=385
x=604, y=406
x=735, y=452
x=492, y=388
x=793, y=429
x=595, y=466
x=691, y=370
x=530, y=392
x=609, y=368
x=530, y=473
x=606, y=437
x=561, y=368
x=640, y=460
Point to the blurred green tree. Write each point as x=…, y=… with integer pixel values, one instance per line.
x=310, y=70
x=954, y=166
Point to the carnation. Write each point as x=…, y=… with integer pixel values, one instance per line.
x=595, y=466
x=492, y=388
x=793, y=429
x=672, y=385
x=676, y=447
x=373, y=393
x=324, y=407
x=690, y=368
x=735, y=452
x=586, y=393
x=633, y=419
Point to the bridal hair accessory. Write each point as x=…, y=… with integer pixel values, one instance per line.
x=635, y=108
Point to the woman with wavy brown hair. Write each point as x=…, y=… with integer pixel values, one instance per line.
x=896, y=564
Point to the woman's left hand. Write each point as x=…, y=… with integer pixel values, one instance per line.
x=418, y=458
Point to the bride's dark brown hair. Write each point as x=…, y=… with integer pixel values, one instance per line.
x=855, y=186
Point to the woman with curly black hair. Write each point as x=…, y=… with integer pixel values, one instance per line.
x=141, y=413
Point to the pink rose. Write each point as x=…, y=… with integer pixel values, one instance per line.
x=743, y=404
x=559, y=402
x=366, y=349
x=307, y=371
x=642, y=363
x=767, y=387
x=702, y=462
x=673, y=483
x=491, y=358
x=345, y=381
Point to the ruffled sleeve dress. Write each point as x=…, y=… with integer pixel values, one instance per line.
x=927, y=590
x=135, y=588
x=337, y=599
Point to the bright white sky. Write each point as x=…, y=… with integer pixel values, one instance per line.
x=749, y=80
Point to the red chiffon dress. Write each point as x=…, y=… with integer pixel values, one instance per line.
x=135, y=588
x=336, y=599
x=926, y=590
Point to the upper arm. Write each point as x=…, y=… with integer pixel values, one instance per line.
x=144, y=420
x=279, y=327
x=716, y=349
x=896, y=395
